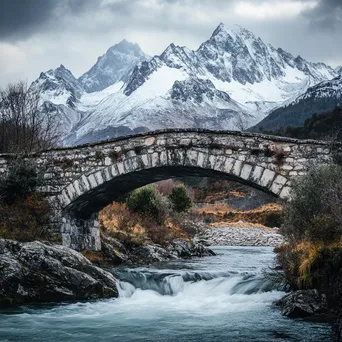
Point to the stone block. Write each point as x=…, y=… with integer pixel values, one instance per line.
x=267, y=178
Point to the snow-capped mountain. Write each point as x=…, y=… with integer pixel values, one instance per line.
x=60, y=94
x=339, y=70
x=324, y=96
x=233, y=78
x=114, y=65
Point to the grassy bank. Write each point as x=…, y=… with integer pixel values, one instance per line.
x=312, y=255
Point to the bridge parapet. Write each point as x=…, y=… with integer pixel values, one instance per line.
x=81, y=180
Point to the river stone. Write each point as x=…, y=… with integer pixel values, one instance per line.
x=178, y=248
x=41, y=272
x=186, y=249
x=303, y=303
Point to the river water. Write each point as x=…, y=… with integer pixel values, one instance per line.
x=221, y=298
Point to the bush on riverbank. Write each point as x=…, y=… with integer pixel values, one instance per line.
x=147, y=216
x=312, y=255
x=181, y=201
x=149, y=203
x=24, y=215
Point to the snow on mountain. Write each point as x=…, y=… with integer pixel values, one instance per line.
x=112, y=66
x=58, y=86
x=324, y=96
x=59, y=93
x=233, y=77
x=339, y=70
x=62, y=95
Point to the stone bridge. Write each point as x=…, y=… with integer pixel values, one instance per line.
x=80, y=181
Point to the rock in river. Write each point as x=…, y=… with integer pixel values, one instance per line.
x=303, y=303
x=39, y=272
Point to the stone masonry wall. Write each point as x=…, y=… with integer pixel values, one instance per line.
x=80, y=174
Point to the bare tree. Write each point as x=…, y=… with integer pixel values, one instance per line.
x=23, y=127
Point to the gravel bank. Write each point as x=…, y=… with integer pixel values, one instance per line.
x=234, y=236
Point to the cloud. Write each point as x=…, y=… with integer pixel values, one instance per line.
x=37, y=35
x=272, y=9
x=326, y=15
x=20, y=19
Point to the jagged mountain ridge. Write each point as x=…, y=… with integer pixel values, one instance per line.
x=233, y=77
x=339, y=70
x=114, y=65
x=59, y=94
x=324, y=96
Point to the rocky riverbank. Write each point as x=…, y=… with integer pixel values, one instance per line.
x=115, y=253
x=240, y=236
x=36, y=272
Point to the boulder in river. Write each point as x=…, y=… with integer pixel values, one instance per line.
x=178, y=248
x=303, y=303
x=41, y=272
x=183, y=248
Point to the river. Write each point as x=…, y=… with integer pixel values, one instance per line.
x=221, y=298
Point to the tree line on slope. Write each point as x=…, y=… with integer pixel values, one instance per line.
x=323, y=126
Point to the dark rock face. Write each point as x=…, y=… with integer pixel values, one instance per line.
x=303, y=303
x=195, y=89
x=37, y=272
x=179, y=248
x=187, y=249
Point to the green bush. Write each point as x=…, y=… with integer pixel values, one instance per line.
x=314, y=213
x=181, y=202
x=148, y=202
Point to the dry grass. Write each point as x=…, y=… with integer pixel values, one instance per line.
x=264, y=216
x=300, y=258
x=117, y=221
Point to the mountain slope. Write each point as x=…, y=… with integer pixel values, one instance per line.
x=232, y=81
x=112, y=66
x=321, y=97
x=60, y=93
x=327, y=124
x=233, y=77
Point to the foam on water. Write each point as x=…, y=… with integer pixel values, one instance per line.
x=222, y=298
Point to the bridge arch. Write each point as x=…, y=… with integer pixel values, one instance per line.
x=81, y=180
x=92, y=191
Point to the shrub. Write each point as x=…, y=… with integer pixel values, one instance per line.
x=20, y=179
x=159, y=233
x=181, y=201
x=26, y=219
x=24, y=215
x=311, y=257
x=148, y=202
x=315, y=210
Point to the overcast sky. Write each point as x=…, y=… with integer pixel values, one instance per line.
x=37, y=35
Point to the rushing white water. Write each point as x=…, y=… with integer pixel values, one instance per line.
x=221, y=298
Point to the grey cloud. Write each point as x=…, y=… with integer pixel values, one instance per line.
x=327, y=15
x=36, y=35
x=20, y=19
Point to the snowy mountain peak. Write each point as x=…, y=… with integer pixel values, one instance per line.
x=232, y=76
x=234, y=32
x=58, y=86
x=111, y=67
x=339, y=70
x=127, y=48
